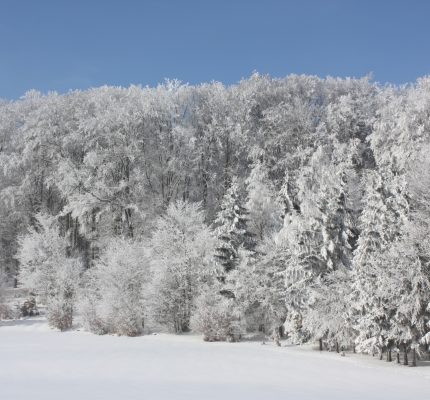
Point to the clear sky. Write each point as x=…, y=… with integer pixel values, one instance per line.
x=76, y=44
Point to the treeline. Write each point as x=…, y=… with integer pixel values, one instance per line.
x=298, y=204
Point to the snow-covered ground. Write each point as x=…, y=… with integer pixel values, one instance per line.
x=40, y=364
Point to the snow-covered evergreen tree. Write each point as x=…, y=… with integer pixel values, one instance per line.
x=405, y=292
x=260, y=287
x=382, y=221
x=320, y=231
x=232, y=230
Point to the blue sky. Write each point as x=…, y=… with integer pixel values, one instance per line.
x=76, y=44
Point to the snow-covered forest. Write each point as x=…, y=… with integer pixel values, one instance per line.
x=298, y=207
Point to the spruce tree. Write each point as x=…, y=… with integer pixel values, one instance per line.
x=232, y=230
x=381, y=224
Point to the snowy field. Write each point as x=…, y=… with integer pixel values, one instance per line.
x=40, y=364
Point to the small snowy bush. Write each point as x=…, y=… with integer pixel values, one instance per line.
x=4, y=309
x=92, y=319
x=28, y=308
x=218, y=318
x=60, y=313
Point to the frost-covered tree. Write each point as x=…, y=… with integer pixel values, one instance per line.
x=46, y=269
x=371, y=244
x=345, y=159
x=113, y=298
x=181, y=248
x=317, y=229
x=405, y=291
x=382, y=222
x=260, y=287
x=265, y=212
x=328, y=318
x=407, y=280
x=232, y=230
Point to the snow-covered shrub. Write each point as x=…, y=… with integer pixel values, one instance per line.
x=181, y=250
x=113, y=301
x=46, y=269
x=5, y=311
x=294, y=328
x=90, y=314
x=2, y=286
x=60, y=313
x=218, y=318
x=368, y=346
x=29, y=307
x=60, y=304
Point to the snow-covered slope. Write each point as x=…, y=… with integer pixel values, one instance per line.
x=40, y=364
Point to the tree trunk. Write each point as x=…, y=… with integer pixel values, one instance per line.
x=381, y=353
x=398, y=357
x=227, y=177
x=321, y=344
x=389, y=359
x=129, y=222
x=281, y=331
x=276, y=337
x=204, y=181
x=405, y=356
x=337, y=347
x=414, y=357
